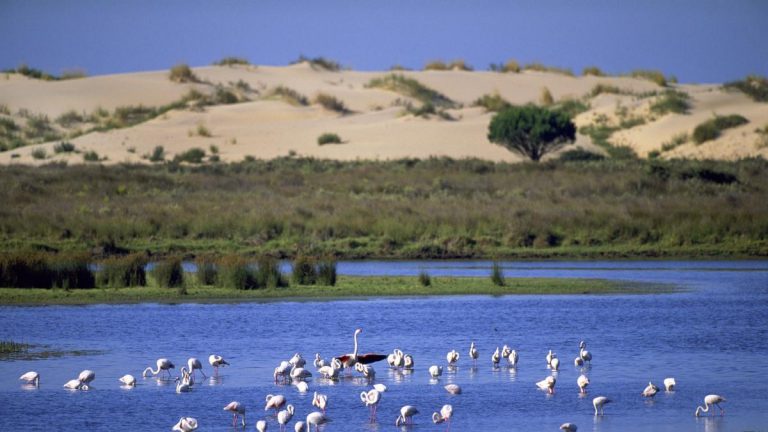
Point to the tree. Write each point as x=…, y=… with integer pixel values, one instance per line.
x=531, y=131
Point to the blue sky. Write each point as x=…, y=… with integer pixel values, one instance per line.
x=695, y=40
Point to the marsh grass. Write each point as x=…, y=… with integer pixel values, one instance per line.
x=182, y=73
x=123, y=271
x=326, y=272
x=329, y=138
x=10, y=347
x=754, y=86
x=207, y=271
x=304, y=270
x=497, y=275
x=235, y=272
x=492, y=102
x=168, y=273
x=424, y=279
x=288, y=95
x=268, y=274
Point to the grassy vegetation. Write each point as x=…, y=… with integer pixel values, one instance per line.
x=33, y=73
x=331, y=103
x=712, y=128
x=762, y=136
x=195, y=155
x=539, y=67
x=412, y=88
x=319, y=63
x=442, y=66
x=182, y=73
x=434, y=208
x=328, y=138
x=510, y=66
x=593, y=71
x=672, y=101
x=545, y=97
x=492, y=102
x=288, y=95
x=600, y=133
x=652, y=75
x=754, y=86
x=231, y=61
x=675, y=141
x=10, y=347
x=346, y=287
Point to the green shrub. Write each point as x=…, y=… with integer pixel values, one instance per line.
x=545, y=98
x=671, y=101
x=580, y=155
x=511, y=66
x=169, y=273
x=328, y=138
x=206, y=271
x=268, y=273
x=127, y=271
x=158, y=154
x=442, y=66
x=651, y=75
x=194, y=155
x=288, y=95
x=214, y=149
x=492, y=102
x=331, y=103
x=182, y=73
x=497, y=275
x=551, y=69
x=436, y=65
x=230, y=61
x=711, y=129
x=424, y=279
x=64, y=147
x=604, y=88
x=531, y=131
x=70, y=118
x=25, y=269
x=319, y=63
x=754, y=86
x=91, y=156
x=326, y=272
x=73, y=74
x=222, y=96
x=235, y=272
x=571, y=107
x=27, y=71
x=304, y=271
x=592, y=70
x=412, y=88
x=203, y=131
x=39, y=153
x=674, y=142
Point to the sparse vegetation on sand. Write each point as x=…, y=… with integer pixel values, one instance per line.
x=412, y=88
x=182, y=73
x=319, y=63
x=288, y=95
x=440, y=65
x=492, y=102
x=510, y=66
x=671, y=101
x=328, y=138
x=652, y=75
x=754, y=86
x=331, y=103
x=195, y=155
x=539, y=67
x=593, y=71
x=434, y=208
x=232, y=61
x=712, y=128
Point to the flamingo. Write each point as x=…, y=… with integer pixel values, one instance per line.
x=454, y=389
x=578, y=362
x=547, y=384
x=283, y=370
x=320, y=401
x=650, y=390
x=163, y=364
x=371, y=399
x=31, y=377
x=302, y=386
x=555, y=364
x=261, y=426
x=549, y=358
x=435, y=371
x=585, y=355
x=274, y=401
x=505, y=350
x=316, y=418
x=76, y=384
x=297, y=360
x=582, y=381
x=129, y=380
x=237, y=409
x=395, y=359
x=512, y=358
x=185, y=424
x=329, y=372
x=452, y=357
x=473, y=354
x=444, y=415
x=569, y=427
x=366, y=370
x=87, y=376
x=193, y=364
x=319, y=362
x=284, y=416
x=406, y=415
x=495, y=357
x=669, y=384
x=408, y=362
x=710, y=400
x=184, y=384
x=380, y=387
x=299, y=373
x=299, y=426
x=349, y=360
x=599, y=404
x=216, y=361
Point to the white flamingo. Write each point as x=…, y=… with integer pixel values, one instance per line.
x=216, y=361
x=163, y=364
x=274, y=402
x=371, y=399
x=395, y=359
x=406, y=415
x=473, y=354
x=297, y=360
x=650, y=390
x=512, y=358
x=319, y=362
x=710, y=400
x=76, y=384
x=284, y=416
x=87, y=376
x=349, y=360
x=316, y=418
x=237, y=409
x=669, y=384
x=547, y=384
x=505, y=350
x=578, y=362
x=454, y=389
x=380, y=387
x=569, y=427
x=555, y=364
x=452, y=357
x=329, y=372
x=262, y=425
x=582, y=381
x=585, y=355
x=302, y=386
x=408, y=362
x=283, y=370
x=549, y=358
x=299, y=373
x=195, y=364
x=599, y=404
x=367, y=371
x=445, y=414
x=31, y=377
x=320, y=401
x=129, y=380
x=496, y=357
x=299, y=426
x=435, y=371
x=185, y=424
x=184, y=385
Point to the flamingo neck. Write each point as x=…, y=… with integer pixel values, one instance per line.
x=354, y=352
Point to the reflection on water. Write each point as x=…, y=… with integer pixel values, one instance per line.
x=634, y=339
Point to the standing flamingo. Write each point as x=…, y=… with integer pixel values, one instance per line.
x=505, y=350
x=599, y=404
x=406, y=415
x=582, y=381
x=435, y=371
x=452, y=357
x=302, y=386
x=453, y=389
x=195, y=364
x=320, y=401
x=185, y=424
x=367, y=371
x=87, y=376
x=371, y=399
x=349, y=360
x=31, y=377
x=216, y=361
x=547, y=384
x=473, y=354
x=163, y=364
x=512, y=358
x=261, y=426
x=284, y=416
x=408, y=362
x=316, y=418
x=76, y=384
x=555, y=364
x=650, y=390
x=237, y=409
x=569, y=427
x=297, y=360
x=669, y=384
x=710, y=400
x=299, y=426
x=443, y=416
x=496, y=357
x=319, y=362
x=274, y=401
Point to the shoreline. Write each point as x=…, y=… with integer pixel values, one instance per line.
x=347, y=288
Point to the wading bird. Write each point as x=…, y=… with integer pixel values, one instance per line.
x=599, y=404
x=452, y=357
x=31, y=377
x=582, y=381
x=163, y=364
x=320, y=401
x=76, y=384
x=349, y=360
x=129, y=380
x=316, y=418
x=496, y=357
x=669, y=384
x=274, y=402
x=237, y=409
x=371, y=399
x=261, y=426
x=547, y=384
x=512, y=358
x=195, y=364
x=406, y=415
x=435, y=371
x=443, y=416
x=185, y=424
x=284, y=416
x=453, y=389
x=216, y=361
x=87, y=376
x=710, y=400
x=473, y=354
x=569, y=427
x=650, y=390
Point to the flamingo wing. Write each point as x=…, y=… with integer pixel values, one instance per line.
x=370, y=358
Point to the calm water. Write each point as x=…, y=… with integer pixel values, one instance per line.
x=711, y=337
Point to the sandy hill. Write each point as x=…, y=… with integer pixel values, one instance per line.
x=266, y=124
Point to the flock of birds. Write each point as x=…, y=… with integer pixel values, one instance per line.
x=294, y=371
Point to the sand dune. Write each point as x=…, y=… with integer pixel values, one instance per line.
x=376, y=128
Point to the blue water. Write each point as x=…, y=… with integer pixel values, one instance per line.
x=710, y=335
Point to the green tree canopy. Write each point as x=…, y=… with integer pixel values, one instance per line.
x=531, y=131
